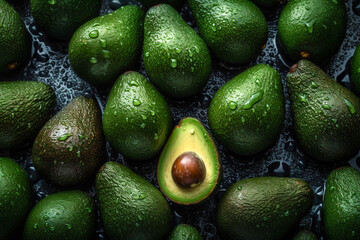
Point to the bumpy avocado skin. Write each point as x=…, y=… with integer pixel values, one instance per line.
x=355, y=70
x=185, y=232
x=304, y=235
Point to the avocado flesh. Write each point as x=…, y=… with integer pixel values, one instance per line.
x=189, y=136
x=326, y=115
x=263, y=208
x=342, y=204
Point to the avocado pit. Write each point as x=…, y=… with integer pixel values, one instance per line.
x=188, y=170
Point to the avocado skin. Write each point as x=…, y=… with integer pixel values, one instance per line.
x=321, y=38
x=14, y=39
x=342, y=204
x=267, y=3
x=136, y=131
x=235, y=36
x=355, y=70
x=174, y=3
x=176, y=59
x=60, y=20
x=68, y=215
x=15, y=196
x=248, y=130
x=324, y=126
x=185, y=232
x=100, y=60
x=25, y=106
x=140, y=210
x=304, y=235
x=269, y=207
x=70, y=148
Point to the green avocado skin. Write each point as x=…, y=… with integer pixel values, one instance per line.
x=246, y=115
x=131, y=208
x=175, y=3
x=70, y=148
x=326, y=115
x=264, y=208
x=342, y=204
x=61, y=19
x=176, y=59
x=235, y=30
x=15, y=196
x=304, y=235
x=106, y=46
x=137, y=119
x=355, y=70
x=185, y=232
x=68, y=215
x=317, y=27
x=14, y=39
x=25, y=106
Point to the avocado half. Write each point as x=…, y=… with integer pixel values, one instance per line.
x=189, y=169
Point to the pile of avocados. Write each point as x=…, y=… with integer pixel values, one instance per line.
x=143, y=60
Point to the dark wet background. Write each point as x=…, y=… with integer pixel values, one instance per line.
x=49, y=63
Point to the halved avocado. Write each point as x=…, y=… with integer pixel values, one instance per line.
x=189, y=168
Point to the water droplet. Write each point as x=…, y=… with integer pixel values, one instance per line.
x=71, y=148
x=94, y=34
x=78, y=153
x=178, y=50
x=156, y=136
x=103, y=42
x=239, y=188
x=88, y=209
x=253, y=99
x=173, y=63
x=52, y=229
x=310, y=26
x=192, y=131
x=232, y=105
x=68, y=226
x=143, y=125
x=52, y=2
x=65, y=137
x=106, y=53
x=332, y=189
x=267, y=107
x=314, y=85
x=147, y=54
x=196, y=49
x=326, y=106
x=143, y=117
x=117, y=200
x=277, y=206
x=142, y=196
x=350, y=106
x=136, y=102
x=302, y=98
x=46, y=217
x=35, y=226
x=213, y=27
x=242, y=119
x=93, y=60
x=287, y=213
x=134, y=84
x=140, y=218
x=152, y=112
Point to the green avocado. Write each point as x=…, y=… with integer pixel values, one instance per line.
x=131, y=208
x=60, y=19
x=175, y=3
x=137, y=120
x=342, y=204
x=15, y=196
x=326, y=115
x=246, y=115
x=68, y=215
x=14, y=39
x=176, y=59
x=70, y=148
x=189, y=169
x=25, y=106
x=185, y=232
x=263, y=208
x=235, y=30
x=312, y=29
x=106, y=46
x=355, y=70
x=304, y=235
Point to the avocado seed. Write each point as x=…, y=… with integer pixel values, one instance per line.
x=188, y=170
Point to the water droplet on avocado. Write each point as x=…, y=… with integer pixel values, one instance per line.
x=255, y=98
x=277, y=206
x=93, y=60
x=88, y=209
x=46, y=217
x=103, y=42
x=213, y=27
x=287, y=213
x=117, y=200
x=332, y=189
x=64, y=137
x=140, y=218
x=178, y=50
x=326, y=106
x=71, y=148
x=350, y=106
x=143, y=125
x=192, y=131
x=232, y=105
x=52, y=2
x=196, y=49
x=152, y=112
x=78, y=153
x=94, y=34
x=52, y=229
x=156, y=136
x=239, y=188
x=302, y=98
x=310, y=26
x=147, y=54
x=136, y=102
x=173, y=63
x=68, y=226
x=35, y=226
x=105, y=53
x=314, y=85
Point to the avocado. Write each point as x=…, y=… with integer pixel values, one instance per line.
x=355, y=70
x=312, y=29
x=235, y=30
x=70, y=148
x=267, y=3
x=104, y=47
x=60, y=19
x=185, y=232
x=175, y=3
x=131, y=208
x=68, y=215
x=15, y=196
x=137, y=120
x=263, y=208
x=176, y=59
x=342, y=204
x=326, y=115
x=246, y=115
x=189, y=169
x=304, y=235
x=25, y=106
x=14, y=39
